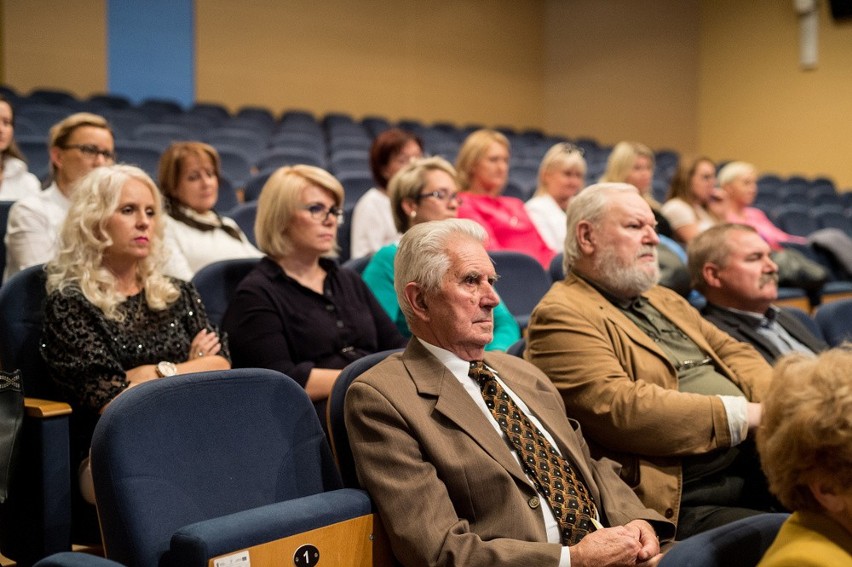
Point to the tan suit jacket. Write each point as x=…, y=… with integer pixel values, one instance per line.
x=447, y=486
x=623, y=389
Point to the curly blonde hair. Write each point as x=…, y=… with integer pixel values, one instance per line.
x=806, y=428
x=83, y=240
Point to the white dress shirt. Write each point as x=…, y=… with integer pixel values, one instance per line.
x=33, y=229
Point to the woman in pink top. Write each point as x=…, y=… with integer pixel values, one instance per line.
x=739, y=182
x=483, y=169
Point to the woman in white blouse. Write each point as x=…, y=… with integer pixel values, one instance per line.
x=16, y=182
x=196, y=235
x=372, y=221
x=561, y=176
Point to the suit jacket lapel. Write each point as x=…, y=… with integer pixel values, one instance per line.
x=434, y=380
x=624, y=323
x=745, y=328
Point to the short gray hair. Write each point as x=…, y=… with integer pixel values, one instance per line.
x=734, y=171
x=591, y=204
x=422, y=257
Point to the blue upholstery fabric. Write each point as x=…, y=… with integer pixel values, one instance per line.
x=806, y=320
x=36, y=519
x=195, y=544
x=336, y=424
x=741, y=543
x=523, y=282
x=170, y=453
x=217, y=282
x=76, y=559
x=835, y=320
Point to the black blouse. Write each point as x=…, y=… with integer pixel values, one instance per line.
x=87, y=354
x=275, y=322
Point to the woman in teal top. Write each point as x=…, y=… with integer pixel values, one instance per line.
x=425, y=190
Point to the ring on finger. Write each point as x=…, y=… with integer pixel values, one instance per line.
x=200, y=353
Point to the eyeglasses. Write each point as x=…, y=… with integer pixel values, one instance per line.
x=91, y=151
x=321, y=213
x=441, y=195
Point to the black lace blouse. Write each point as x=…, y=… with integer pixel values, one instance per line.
x=87, y=354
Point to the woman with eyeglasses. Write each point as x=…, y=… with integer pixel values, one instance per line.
x=422, y=191
x=689, y=200
x=483, y=170
x=16, y=182
x=297, y=311
x=196, y=235
x=561, y=176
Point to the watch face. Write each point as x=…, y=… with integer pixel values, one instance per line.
x=166, y=368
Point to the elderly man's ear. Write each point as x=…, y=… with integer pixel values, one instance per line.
x=417, y=300
x=585, y=239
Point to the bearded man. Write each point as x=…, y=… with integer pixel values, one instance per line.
x=654, y=386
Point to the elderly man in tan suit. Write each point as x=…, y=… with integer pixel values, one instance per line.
x=656, y=387
x=451, y=481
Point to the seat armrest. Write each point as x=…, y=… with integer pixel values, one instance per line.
x=253, y=530
x=38, y=408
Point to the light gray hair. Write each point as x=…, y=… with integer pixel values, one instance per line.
x=590, y=205
x=734, y=171
x=422, y=256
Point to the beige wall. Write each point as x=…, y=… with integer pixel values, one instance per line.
x=463, y=61
x=756, y=104
x=719, y=77
x=624, y=69
x=55, y=44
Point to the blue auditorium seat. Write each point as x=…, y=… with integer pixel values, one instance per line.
x=223, y=466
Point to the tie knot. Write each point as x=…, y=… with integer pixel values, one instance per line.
x=480, y=372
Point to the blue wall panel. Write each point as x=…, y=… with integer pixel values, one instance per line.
x=151, y=49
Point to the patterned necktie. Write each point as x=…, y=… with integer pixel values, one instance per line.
x=551, y=474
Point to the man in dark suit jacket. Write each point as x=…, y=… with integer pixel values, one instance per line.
x=448, y=487
x=731, y=266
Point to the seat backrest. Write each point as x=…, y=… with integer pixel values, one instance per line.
x=522, y=284
x=75, y=559
x=835, y=321
x=740, y=543
x=805, y=319
x=334, y=414
x=244, y=214
x=21, y=315
x=169, y=453
x=217, y=282
x=557, y=273
x=4, y=221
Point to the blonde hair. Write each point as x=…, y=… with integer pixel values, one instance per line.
x=62, y=130
x=280, y=198
x=472, y=150
x=733, y=171
x=562, y=155
x=806, y=427
x=83, y=240
x=621, y=159
x=409, y=182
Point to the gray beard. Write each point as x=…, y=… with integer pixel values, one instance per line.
x=624, y=281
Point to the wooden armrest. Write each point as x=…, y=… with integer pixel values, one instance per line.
x=34, y=407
